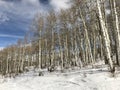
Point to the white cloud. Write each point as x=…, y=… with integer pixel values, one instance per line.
x=10, y=36
x=3, y=18
x=25, y=8
x=32, y=2
x=28, y=8
x=60, y=4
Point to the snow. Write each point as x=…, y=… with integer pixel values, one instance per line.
x=84, y=79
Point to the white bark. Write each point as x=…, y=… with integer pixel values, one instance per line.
x=105, y=35
x=117, y=30
x=87, y=38
x=40, y=51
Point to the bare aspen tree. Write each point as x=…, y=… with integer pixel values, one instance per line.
x=7, y=62
x=116, y=25
x=86, y=34
x=105, y=36
x=52, y=24
x=40, y=29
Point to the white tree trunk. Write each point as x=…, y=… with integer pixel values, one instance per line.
x=87, y=38
x=117, y=30
x=105, y=35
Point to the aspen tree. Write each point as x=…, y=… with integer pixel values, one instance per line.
x=116, y=27
x=40, y=29
x=105, y=36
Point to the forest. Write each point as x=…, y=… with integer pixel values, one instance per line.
x=86, y=33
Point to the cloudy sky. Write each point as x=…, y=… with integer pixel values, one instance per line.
x=16, y=16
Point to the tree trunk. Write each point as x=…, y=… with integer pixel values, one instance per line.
x=105, y=36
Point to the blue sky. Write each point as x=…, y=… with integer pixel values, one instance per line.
x=17, y=15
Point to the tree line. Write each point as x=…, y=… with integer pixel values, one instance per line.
x=82, y=35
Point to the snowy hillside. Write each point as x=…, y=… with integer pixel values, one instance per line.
x=59, y=45
x=85, y=79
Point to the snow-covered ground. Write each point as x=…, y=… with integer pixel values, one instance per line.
x=85, y=79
